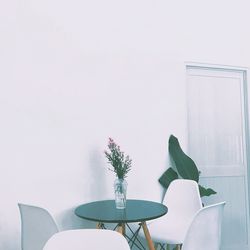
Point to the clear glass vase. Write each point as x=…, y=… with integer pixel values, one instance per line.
x=120, y=188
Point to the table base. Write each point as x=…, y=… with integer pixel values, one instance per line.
x=133, y=240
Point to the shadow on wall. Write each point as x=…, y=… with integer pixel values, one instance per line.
x=97, y=176
x=94, y=188
x=69, y=220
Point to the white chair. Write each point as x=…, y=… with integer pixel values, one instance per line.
x=183, y=201
x=37, y=226
x=94, y=239
x=205, y=230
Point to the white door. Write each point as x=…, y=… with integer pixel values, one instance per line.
x=217, y=142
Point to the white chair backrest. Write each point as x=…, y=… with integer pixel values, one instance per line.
x=205, y=230
x=37, y=227
x=183, y=198
x=94, y=239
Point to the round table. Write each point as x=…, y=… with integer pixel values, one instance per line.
x=136, y=211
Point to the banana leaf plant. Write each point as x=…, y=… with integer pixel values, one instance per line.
x=185, y=166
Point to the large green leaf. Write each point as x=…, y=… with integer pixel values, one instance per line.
x=167, y=177
x=184, y=164
x=206, y=191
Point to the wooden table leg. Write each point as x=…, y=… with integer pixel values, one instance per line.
x=121, y=228
x=147, y=236
x=99, y=225
x=178, y=247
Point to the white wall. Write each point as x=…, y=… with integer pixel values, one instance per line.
x=73, y=73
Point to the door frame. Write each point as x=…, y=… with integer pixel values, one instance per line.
x=245, y=93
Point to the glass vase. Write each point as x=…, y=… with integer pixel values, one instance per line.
x=120, y=188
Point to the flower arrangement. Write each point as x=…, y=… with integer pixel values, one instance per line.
x=121, y=164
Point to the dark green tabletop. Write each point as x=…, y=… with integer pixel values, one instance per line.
x=135, y=211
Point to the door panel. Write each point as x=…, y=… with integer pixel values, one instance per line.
x=217, y=143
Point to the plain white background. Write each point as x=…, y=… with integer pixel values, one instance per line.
x=73, y=73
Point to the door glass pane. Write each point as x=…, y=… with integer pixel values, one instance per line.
x=215, y=117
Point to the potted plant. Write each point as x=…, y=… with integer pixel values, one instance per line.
x=185, y=168
x=121, y=165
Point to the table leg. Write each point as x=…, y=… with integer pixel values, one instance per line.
x=147, y=236
x=121, y=228
x=178, y=247
x=99, y=225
